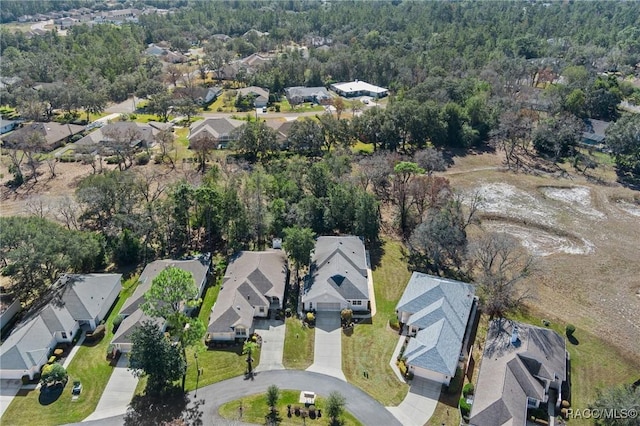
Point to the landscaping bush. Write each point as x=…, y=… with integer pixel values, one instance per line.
x=112, y=160
x=143, y=158
x=54, y=373
x=402, y=367
x=25, y=379
x=116, y=322
x=394, y=323
x=98, y=333
x=570, y=329
x=465, y=407
x=467, y=389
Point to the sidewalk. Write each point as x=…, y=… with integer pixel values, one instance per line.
x=118, y=393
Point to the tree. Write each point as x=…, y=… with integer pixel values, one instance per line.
x=53, y=374
x=502, y=264
x=171, y=293
x=202, y=145
x=367, y=217
x=403, y=173
x=335, y=406
x=431, y=160
x=305, y=136
x=618, y=399
x=255, y=139
x=273, y=394
x=160, y=104
x=154, y=356
x=298, y=243
x=623, y=137
x=557, y=137
x=247, y=349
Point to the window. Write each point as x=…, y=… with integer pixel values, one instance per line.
x=310, y=305
x=261, y=309
x=356, y=302
x=64, y=335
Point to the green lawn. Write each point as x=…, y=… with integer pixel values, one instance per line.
x=254, y=410
x=364, y=148
x=370, y=346
x=298, y=345
x=89, y=366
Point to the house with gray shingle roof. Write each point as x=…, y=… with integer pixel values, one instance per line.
x=199, y=267
x=50, y=135
x=338, y=277
x=76, y=301
x=219, y=130
x=300, y=94
x=253, y=285
x=437, y=315
x=523, y=367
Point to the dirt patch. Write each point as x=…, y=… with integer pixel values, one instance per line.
x=578, y=197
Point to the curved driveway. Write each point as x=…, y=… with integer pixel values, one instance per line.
x=366, y=409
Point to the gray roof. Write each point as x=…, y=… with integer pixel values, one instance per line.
x=71, y=301
x=511, y=372
x=440, y=309
x=251, y=277
x=307, y=92
x=198, y=266
x=52, y=133
x=338, y=268
x=133, y=132
x=84, y=295
x=218, y=128
x=254, y=90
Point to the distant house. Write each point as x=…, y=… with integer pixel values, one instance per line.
x=523, y=367
x=338, y=277
x=253, y=285
x=260, y=95
x=220, y=130
x=200, y=268
x=77, y=302
x=437, y=314
x=135, y=134
x=165, y=54
x=282, y=129
x=201, y=95
x=7, y=125
x=594, y=134
x=359, y=88
x=299, y=94
x=52, y=135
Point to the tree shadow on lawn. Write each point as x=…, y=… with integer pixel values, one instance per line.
x=166, y=407
x=50, y=394
x=572, y=339
x=376, y=251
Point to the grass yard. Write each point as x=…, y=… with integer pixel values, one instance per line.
x=89, y=366
x=254, y=410
x=298, y=345
x=362, y=148
x=370, y=346
x=594, y=363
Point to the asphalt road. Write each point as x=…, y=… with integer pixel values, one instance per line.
x=366, y=409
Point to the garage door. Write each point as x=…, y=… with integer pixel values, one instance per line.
x=328, y=306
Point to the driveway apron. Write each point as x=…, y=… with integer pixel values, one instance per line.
x=327, y=353
x=118, y=393
x=418, y=406
x=272, y=333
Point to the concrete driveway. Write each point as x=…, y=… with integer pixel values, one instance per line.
x=418, y=406
x=327, y=353
x=8, y=389
x=118, y=393
x=272, y=332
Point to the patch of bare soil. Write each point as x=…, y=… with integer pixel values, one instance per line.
x=586, y=237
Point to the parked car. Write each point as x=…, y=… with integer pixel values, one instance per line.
x=77, y=388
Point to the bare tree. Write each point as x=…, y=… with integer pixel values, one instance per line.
x=173, y=74
x=513, y=136
x=202, y=147
x=37, y=206
x=165, y=141
x=502, y=263
x=67, y=211
x=123, y=144
x=33, y=146
x=428, y=191
x=52, y=162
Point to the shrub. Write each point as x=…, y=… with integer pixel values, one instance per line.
x=25, y=379
x=467, y=389
x=465, y=407
x=116, y=322
x=143, y=158
x=394, y=323
x=310, y=317
x=112, y=160
x=158, y=159
x=570, y=329
x=54, y=373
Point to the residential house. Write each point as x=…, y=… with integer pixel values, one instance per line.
x=523, y=367
x=252, y=287
x=136, y=135
x=200, y=268
x=260, y=96
x=9, y=308
x=359, y=88
x=437, y=315
x=219, y=130
x=594, y=134
x=201, y=95
x=338, y=277
x=76, y=302
x=52, y=135
x=297, y=95
x=282, y=129
x=7, y=125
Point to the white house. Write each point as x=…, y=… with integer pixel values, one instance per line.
x=199, y=267
x=253, y=285
x=359, y=88
x=77, y=301
x=437, y=314
x=338, y=276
